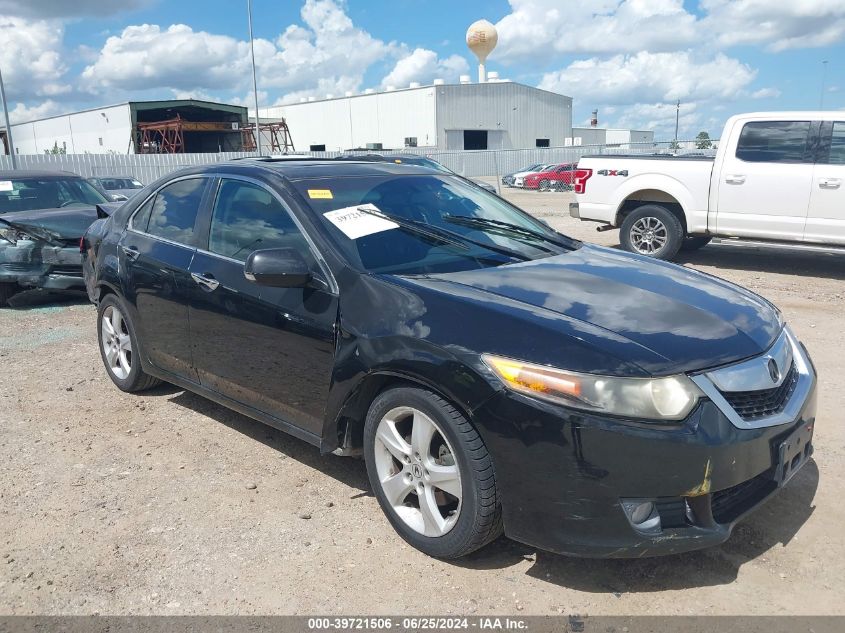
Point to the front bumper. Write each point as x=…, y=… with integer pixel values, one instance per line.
x=33, y=264
x=564, y=474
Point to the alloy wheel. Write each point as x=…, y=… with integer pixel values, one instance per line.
x=417, y=471
x=116, y=342
x=648, y=235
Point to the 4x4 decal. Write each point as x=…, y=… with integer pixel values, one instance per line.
x=612, y=172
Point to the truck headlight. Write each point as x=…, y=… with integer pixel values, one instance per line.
x=665, y=398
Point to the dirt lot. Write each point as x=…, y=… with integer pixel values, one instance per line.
x=166, y=503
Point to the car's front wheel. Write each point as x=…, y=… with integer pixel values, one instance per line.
x=431, y=473
x=119, y=347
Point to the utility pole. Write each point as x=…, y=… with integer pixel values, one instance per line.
x=824, y=80
x=677, y=120
x=254, y=81
x=8, y=127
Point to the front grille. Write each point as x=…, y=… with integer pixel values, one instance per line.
x=754, y=405
x=730, y=503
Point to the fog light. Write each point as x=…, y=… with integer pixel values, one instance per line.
x=642, y=514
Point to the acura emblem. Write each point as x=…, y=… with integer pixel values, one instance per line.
x=774, y=372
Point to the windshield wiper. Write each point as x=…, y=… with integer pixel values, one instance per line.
x=443, y=235
x=467, y=220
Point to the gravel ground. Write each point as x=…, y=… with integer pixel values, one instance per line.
x=165, y=503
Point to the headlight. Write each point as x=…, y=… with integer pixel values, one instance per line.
x=667, y=398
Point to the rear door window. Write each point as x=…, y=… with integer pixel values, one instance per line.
x=837, y=144
x=774, y=142
x=174, y=212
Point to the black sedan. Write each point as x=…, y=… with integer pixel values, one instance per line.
x=42, y=217
x=495, y=375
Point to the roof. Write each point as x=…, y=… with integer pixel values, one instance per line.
x=148, y=105
x=297, y=170
x=19, y=174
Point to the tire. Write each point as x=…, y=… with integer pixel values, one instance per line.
x=694, y=242
x=119, y=347
x=653, y=231
x=453, y=450
x=544, y=184
x=7, y=291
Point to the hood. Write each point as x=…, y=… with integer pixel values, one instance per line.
x=65, y=224
x=671, y=318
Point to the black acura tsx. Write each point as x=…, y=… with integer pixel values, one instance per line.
x=496, y=376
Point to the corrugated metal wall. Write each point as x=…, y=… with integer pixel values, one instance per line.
x=148, y=167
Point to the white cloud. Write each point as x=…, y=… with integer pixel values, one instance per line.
x=765, y=93
x=31, y=59
x=650, y=78
x=424, y=66
x=21, y=113
x=777, y=25
x=539, y=27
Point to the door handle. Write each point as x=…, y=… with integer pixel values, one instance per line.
x=206, y=281
x=735, y=179
x=131, y=252
x=830, y=183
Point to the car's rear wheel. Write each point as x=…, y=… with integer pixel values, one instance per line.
x=7, y=291
x=119, y=347
x=431, y=473
x=652, y=230
x=694, y=242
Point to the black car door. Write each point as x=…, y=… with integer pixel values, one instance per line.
x=155, y=253
x=269, y=348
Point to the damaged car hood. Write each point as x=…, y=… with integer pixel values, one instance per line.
x=64, y=225
x=679, y=319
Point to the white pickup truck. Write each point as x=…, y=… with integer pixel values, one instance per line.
x=777, y=177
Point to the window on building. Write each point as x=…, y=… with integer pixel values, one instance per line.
x=410, y=141
x=541, y=142
x=101, y=141
x=774, y=142
x=317, y=148
x=475, y=139
x=174, y=212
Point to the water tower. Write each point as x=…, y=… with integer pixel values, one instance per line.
x=481, y=39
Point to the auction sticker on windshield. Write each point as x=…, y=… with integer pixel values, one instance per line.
x=355, y=223
x=6, y=185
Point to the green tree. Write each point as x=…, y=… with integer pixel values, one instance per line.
x=56, y=149
x=702, y=141
x=674, y=145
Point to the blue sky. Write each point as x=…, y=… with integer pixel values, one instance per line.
x=631, y=59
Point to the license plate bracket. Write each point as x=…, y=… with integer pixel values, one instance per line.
x=793, y=453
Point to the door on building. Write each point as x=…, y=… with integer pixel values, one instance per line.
x=475, y=139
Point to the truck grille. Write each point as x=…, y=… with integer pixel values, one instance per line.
x=754, y=405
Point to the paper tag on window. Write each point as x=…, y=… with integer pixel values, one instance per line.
x=355, y=223
x=6, y=185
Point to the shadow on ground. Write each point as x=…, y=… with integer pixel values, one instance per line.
x=768, y=260
x=37, y=299
x=773, y=525
x=346, y=470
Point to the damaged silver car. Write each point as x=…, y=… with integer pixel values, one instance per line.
x=43, y=215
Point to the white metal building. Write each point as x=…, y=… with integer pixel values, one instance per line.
x=496, y=114
x=625, y=138
x=113, y=129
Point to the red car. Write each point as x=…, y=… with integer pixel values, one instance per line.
x=563, y=173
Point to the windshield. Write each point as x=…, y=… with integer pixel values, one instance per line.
x=424, y=224
x=29, y=194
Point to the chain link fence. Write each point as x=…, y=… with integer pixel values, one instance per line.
x=480, y=163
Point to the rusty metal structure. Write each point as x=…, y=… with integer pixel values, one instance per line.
x=168, y=137
x=278, y=132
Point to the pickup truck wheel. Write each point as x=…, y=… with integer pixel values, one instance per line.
x=431, y=473
x=653, y=231
x=7, y=291
x=695, y=242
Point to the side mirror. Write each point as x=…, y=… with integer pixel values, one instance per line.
x=277, y=267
